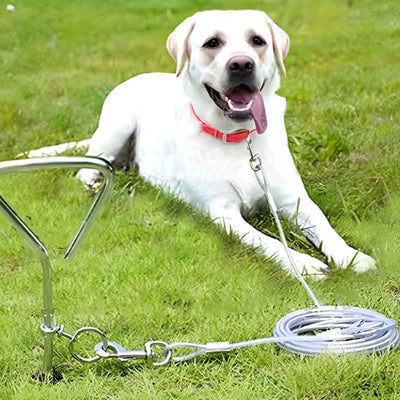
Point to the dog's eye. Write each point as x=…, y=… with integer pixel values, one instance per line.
x=212, y=43
x=258, y=41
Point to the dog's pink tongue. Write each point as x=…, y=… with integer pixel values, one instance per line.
x=259, y=115
x=242, y=97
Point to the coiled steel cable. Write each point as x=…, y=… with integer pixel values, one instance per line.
x=336, y=329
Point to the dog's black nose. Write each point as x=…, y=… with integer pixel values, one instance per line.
x=241, y=64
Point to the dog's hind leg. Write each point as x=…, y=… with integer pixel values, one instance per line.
x=55, y=150
x=115, y=136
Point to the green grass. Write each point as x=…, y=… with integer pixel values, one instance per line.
x=152, y=267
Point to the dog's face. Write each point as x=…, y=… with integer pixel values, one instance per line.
x=229, y=57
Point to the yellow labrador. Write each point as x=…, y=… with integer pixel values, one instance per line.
x=187, y=132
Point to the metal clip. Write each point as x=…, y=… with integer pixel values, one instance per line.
x=255, y=160
x=115, y=350
x=120, y=352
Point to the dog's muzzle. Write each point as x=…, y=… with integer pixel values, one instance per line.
x=243, y=99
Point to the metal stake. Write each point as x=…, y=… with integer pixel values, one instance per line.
x=105, y=168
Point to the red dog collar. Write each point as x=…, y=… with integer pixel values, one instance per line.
x=226, y=137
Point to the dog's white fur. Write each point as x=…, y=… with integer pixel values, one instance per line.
x=148, y=121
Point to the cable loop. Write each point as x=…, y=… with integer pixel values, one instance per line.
x=336, y=329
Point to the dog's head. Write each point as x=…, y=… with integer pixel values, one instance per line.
x=228, y=58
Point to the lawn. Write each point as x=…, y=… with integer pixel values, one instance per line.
x=152, y=267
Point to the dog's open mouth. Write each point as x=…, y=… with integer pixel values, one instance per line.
x=241, y=102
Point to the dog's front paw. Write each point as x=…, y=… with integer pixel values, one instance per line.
x=363, y=263
x=355, y=260
x=307, y=265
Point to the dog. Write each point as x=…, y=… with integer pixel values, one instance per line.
x=187, y=133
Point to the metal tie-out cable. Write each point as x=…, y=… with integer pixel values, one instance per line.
x=256, y=166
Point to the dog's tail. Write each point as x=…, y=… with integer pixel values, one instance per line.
x=50, y=151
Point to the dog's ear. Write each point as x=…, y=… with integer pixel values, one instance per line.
x=177, y=42
x=281, y=43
